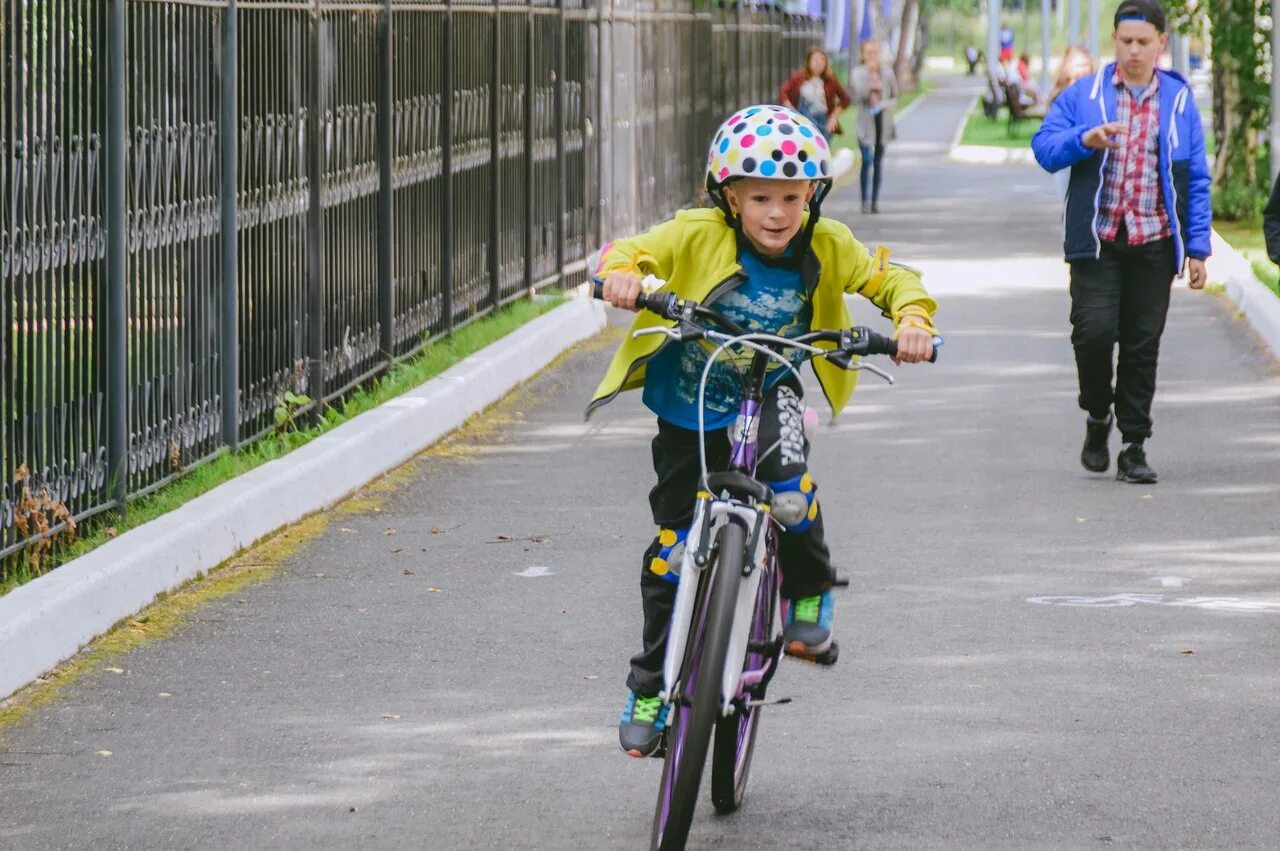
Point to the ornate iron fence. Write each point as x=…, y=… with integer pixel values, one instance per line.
x=209, y=203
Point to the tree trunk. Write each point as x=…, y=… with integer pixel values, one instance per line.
x=904, y=65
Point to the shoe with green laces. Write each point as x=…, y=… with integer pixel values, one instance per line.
x=808, y=629
x=642, y=723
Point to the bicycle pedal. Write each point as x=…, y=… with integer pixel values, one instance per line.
x=826, y=658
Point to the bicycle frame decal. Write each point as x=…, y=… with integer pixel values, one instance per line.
x=745, y=435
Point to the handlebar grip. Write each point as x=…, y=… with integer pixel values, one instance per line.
x=659, y=303
x=880, y=345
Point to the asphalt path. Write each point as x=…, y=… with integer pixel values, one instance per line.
x=1033, y=656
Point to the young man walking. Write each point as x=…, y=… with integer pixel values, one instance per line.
x=1138, y=213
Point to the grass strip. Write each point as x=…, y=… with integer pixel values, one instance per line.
x=434, y=359
x=985, y=132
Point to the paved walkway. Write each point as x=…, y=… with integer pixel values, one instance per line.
x=429, y=689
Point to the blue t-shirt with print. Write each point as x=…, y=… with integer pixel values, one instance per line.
x=771, y=300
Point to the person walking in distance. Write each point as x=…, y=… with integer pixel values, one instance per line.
x=875, y=89
x=815, y=93
x=1138, y=214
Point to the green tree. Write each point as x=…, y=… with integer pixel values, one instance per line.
x=1241, y=56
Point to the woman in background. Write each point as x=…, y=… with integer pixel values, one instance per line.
x=875, y=88
x=815, y=93
x=1076, y=63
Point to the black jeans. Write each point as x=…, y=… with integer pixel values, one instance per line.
x=1122, y=297
x=805, y=561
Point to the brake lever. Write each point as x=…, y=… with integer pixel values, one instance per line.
x=684, y=332
x=861, y=365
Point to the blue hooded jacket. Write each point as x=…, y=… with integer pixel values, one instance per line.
x=1184, y=174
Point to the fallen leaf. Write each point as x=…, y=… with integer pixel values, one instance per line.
x=353, y=809
x=391, y=715
x=345, y=529
x=592, y=677
x=436, y=530
x=1188, y=652
x=434, y=590
x=504, y=538
x=165, y=694
x=1146, y=496
x=397, y=550
x=115, y=670
x=389, y=532
x=408, y=572
x=111, y=532
x=540, y=539
x=104, y=753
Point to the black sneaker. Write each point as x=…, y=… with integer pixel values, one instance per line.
x=1132, y=466
x=640, y=728
x=1095, y=457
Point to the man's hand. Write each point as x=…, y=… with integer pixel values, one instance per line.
x=1103, y=136
x=832, y=123
x=1197, y=276
x=914, y=344
x=620, y=290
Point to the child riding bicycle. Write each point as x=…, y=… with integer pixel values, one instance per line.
x=770, y=267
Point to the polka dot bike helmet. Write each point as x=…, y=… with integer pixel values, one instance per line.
x=771, y=142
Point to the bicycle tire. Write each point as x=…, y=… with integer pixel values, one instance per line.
x=731, y=752
x=692, y=727
x=735, y=737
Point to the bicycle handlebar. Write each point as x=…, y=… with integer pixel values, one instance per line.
x=851, y=342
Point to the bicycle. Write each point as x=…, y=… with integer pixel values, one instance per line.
x=724, y=641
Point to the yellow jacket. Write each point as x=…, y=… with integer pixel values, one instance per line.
x=696, y=253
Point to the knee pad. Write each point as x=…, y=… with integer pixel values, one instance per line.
x=665, y=563
x=795, y=502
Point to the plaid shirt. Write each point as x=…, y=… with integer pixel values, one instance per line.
x=1131, y=180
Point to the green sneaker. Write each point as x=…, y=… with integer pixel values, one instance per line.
x=808, y=629
x=640, y=728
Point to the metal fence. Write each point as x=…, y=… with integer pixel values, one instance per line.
x=213, y=200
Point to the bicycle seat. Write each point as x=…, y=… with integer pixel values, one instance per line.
x=739, y=485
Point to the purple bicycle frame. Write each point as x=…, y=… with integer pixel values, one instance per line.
x=744, y=445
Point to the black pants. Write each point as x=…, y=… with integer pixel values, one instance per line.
x=1122, y=297
x=805, y=561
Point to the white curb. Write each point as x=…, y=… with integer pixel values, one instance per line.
x=51, y=618
x=1259, y=305
x=992, y=155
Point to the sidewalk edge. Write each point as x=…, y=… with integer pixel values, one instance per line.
x=1259, y=306
x=51, y=618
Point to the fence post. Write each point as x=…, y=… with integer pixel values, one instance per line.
x=315, y=212
x=562, y=62
x=602, y=131
x=117, y=268
x=446, y=176
x=386, y=268
x=495, y=163
x=529, y=65
x=230, y=137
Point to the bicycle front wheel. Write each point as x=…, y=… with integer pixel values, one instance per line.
x=735, y=738
x=689, y=737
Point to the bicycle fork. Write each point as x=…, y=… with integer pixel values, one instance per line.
x=710, y=515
